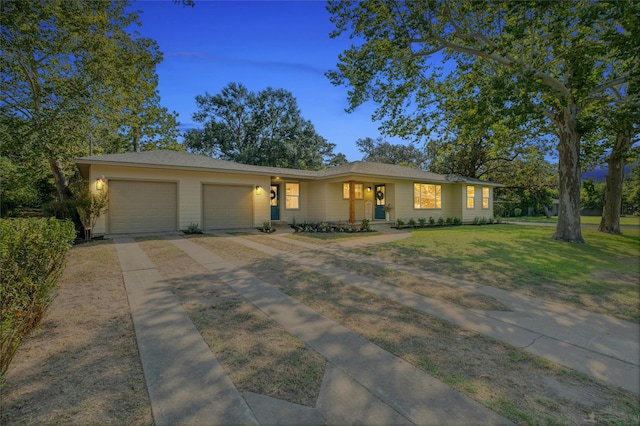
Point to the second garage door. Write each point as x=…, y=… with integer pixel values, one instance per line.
x=137, y=206
x=227, y=206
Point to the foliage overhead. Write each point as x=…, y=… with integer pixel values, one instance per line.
x=381, y=151
x=262, y=128
x=551, y=60
x=72, y=74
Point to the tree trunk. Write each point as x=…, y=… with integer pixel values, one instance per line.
x=568, y=227
x=62, y=183
x=610, y=221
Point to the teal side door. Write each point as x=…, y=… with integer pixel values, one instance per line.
x=275, y=202
x=381, y=197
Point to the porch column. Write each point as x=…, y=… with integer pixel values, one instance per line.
x=352, y=201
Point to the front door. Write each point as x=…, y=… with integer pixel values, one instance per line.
x=381, y=196
x=275, y=203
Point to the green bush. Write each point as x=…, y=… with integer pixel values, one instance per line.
x=432, y=221
x=440, y=221
x=32, y=254
x=366, y=225
x=422, y=222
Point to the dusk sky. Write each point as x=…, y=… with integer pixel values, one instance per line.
x=278, y=44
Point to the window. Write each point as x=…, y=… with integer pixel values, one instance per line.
x=485, y=197
x=292, y=195
x=426, y=196
x=471, y=195
x=357, y=190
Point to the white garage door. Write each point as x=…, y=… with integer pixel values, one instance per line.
x=136, y=206
x=227, y=206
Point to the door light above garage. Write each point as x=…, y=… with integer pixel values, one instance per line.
x=258, y=190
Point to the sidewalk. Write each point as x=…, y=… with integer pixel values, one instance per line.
x=363, y=384
x=600, y=346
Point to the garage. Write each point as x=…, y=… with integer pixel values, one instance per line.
x=142, y=206
x=227, y=206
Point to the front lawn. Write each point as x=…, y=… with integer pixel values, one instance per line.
x=601, y=275
x=585, y=220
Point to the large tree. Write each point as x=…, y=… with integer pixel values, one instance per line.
x=381, y=151
x=555, y=54
x=70, y=72
x=262, y=128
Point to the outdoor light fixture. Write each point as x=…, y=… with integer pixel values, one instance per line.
x=100, y=183
x=368, y=189
x=258, y=190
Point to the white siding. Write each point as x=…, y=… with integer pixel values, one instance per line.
x=189, y=190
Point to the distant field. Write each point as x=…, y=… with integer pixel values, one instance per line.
x=585, y=220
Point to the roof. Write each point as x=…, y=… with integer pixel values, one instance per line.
x=189, y=161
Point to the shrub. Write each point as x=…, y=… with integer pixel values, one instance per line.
x=193, y=228
x=449, y=221
x=266, y=227
x=399, y=223
x=90, y=207
x=422, y=222
x=412, y=222
x=517, y=212
x=32, y=254
x=432, y=221
x=440, y=221
x=476, y=221
x=457, y=221
x=483, y=220
x=366, y=226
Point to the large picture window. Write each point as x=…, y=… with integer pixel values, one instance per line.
x=471, y=197
x=485, y=197
x=358, y=188
x=427, y=196
x=292, y=195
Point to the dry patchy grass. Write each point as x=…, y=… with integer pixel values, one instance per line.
x=419, y=285
x=81, y=366
x=258, y=354
x=524, y=388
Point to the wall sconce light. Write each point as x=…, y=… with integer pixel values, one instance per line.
x=258, y=190
x=368, y=189
x=100, y=183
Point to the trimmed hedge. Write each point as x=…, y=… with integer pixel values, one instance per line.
x=32, y=255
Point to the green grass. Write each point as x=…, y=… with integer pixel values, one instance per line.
x=585, y=220
x=601, y=275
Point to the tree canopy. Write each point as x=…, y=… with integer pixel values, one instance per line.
x=381, y=151
x=71, y=73
x=262, y=128
x=550, y=60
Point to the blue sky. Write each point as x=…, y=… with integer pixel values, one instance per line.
x=279, y=44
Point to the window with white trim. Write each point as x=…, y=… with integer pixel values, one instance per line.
x=358, y=191
x=427, y=196
x=471, y=197
x=292, y=195
x=485, y=197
